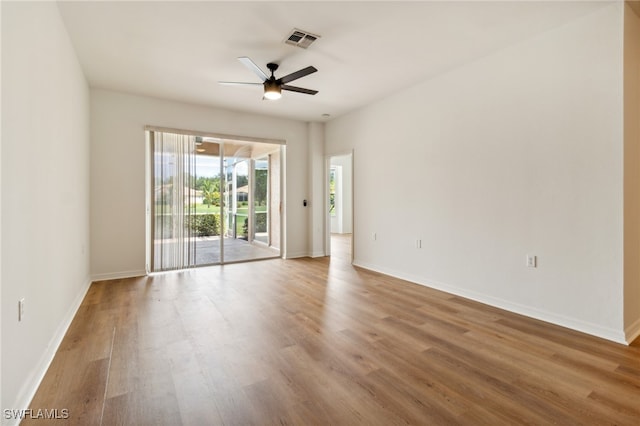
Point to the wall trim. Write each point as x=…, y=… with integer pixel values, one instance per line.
x=616, y=336
x=28, y=390
x=296, y=255
x=632, y=332
x=118, y=275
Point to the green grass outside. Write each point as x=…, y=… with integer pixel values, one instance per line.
x=241, y=211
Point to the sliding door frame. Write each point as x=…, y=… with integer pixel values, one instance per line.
x=149, y=173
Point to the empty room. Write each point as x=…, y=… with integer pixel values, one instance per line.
x=320, y=212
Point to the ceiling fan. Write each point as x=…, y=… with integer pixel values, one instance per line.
x=272, y=85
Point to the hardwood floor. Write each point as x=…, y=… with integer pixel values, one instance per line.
x=317, y=341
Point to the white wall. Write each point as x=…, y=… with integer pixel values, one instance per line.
x=45, y=192
x=631, y=173
x=118, y=171
x=1, y=400
x=519, y=152
x=316, y=191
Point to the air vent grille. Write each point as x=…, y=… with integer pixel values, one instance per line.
x=301, y=38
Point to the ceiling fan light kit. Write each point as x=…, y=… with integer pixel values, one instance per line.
x=273, y=87
x=272, y=90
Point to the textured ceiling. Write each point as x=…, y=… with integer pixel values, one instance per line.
x=367, y=50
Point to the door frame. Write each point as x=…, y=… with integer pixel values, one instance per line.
x=327, y=215
x=222, y=137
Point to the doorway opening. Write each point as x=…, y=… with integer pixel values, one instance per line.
x=340, y=205
x=212, y=200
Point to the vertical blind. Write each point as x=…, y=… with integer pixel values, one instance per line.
x=173, y=167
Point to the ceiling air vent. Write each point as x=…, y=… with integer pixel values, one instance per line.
x=301, y=38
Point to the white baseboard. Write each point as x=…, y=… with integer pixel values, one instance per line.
x=295, y=255
x=304, y=254
x=118, y=275
x=28, y=390
x=633, y=331
x=617, y=336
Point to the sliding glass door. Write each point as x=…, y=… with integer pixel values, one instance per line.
x=236, y=195
x=247, y=207
x=212, y=201
x=207, y=221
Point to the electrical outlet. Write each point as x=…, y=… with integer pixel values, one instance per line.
x=532, y=261
x=374, y=236
x=20, y=309
x=418, y=243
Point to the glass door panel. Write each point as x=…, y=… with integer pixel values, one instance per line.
x=261, y=201
x=236, y=202
x=249, y=207
x=207, y=202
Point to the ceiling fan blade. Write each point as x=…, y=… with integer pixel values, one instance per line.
x=253, y=67
x=238, y=83
x=298, y=89
x=298, y=74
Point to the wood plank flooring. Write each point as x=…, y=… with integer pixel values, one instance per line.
x=317, y=341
